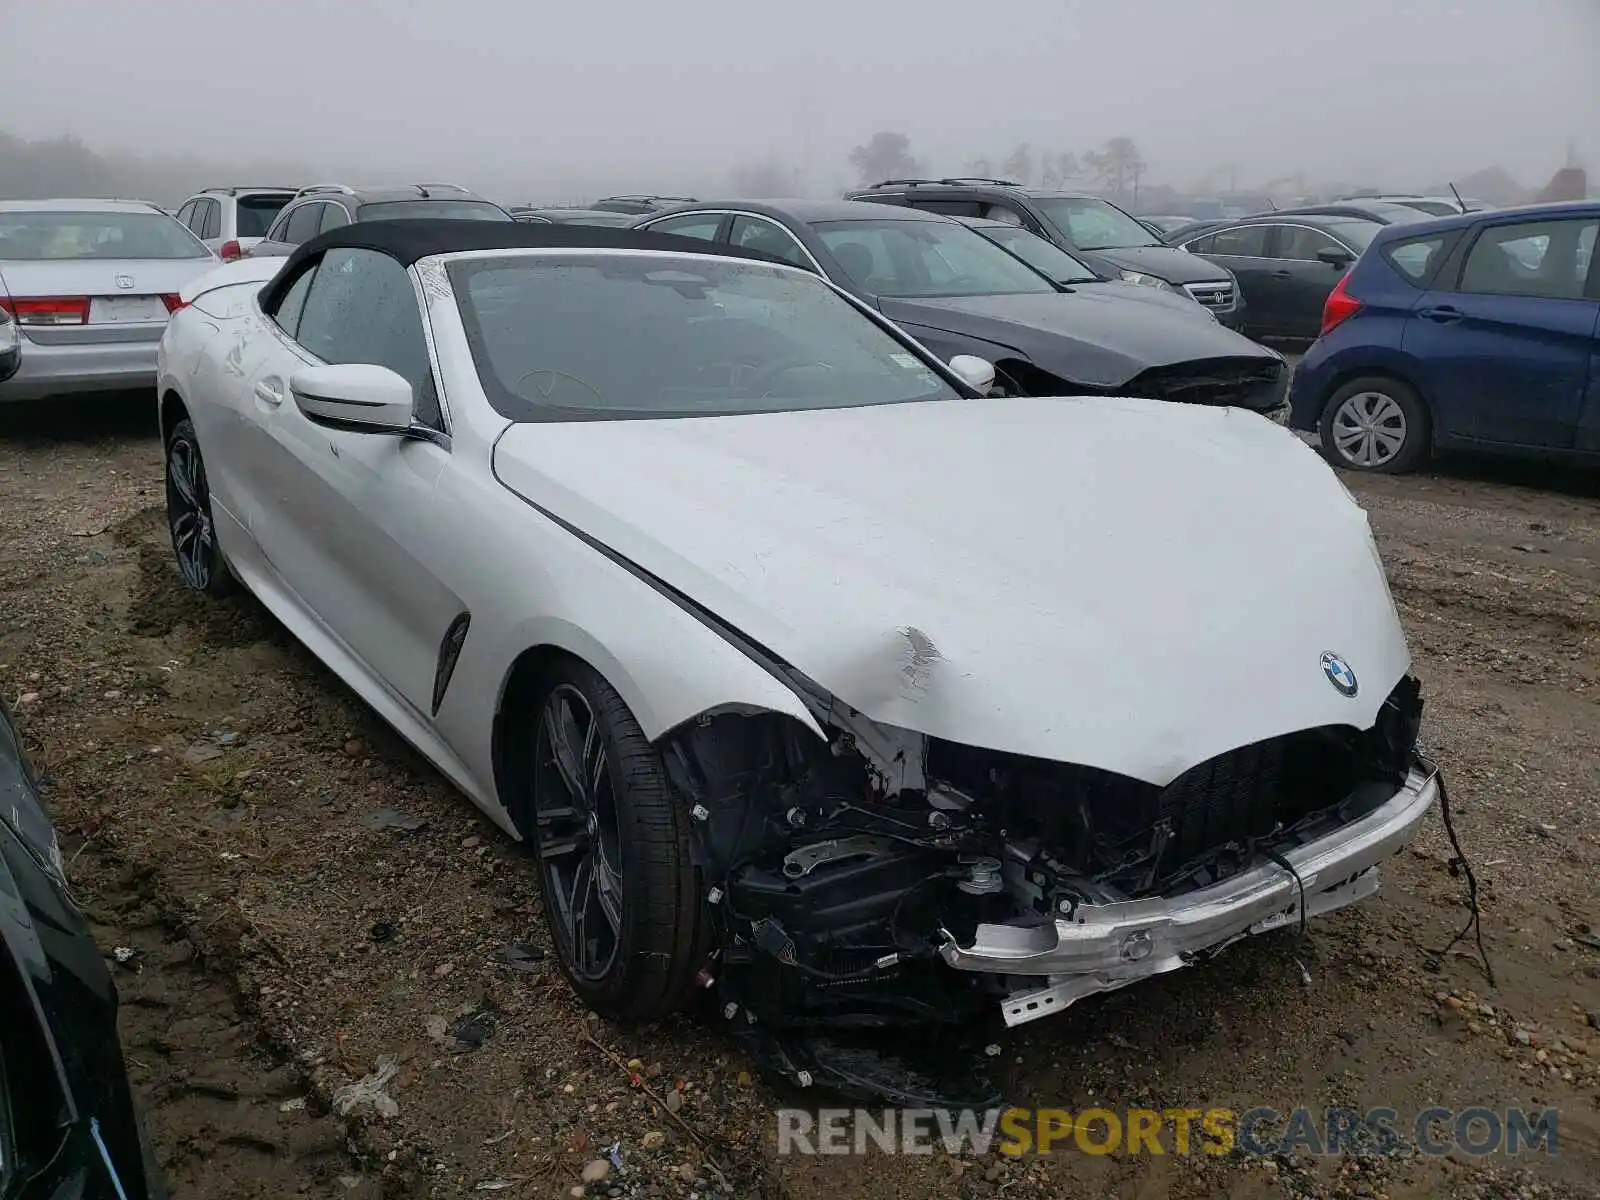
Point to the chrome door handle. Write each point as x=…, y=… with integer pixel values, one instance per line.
x=268, y=394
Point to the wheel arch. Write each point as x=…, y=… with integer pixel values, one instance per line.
x=660, y=692
x=170, y=411
x=1413, y=452
x=1380, y=370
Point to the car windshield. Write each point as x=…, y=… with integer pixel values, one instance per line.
x=1092, y=224
x=1045, y=257
x=616, y=337
x=45, y=236
x=457, y=210
x=925, y=258
x=255, y=213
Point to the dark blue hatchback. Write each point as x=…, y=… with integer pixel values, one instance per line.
x=1479, y=332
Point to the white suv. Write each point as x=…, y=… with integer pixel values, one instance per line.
x=232, y=219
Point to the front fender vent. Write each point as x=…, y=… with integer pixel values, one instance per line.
x=449, y=654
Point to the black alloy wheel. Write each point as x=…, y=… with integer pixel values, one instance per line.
x=621, y=893
x=579, y=842
x=194, y=533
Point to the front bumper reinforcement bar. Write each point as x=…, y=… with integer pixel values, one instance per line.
x=1107, y=946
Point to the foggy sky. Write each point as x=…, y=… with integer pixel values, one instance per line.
x=658, y=94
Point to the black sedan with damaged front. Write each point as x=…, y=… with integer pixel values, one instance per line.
x=958, y=293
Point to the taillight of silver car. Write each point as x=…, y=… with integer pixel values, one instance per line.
x=62, y=310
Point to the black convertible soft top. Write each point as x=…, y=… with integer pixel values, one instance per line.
x=408, y=240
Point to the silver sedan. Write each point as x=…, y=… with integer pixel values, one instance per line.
x=89, y=286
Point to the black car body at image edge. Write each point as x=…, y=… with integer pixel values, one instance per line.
x=68, y=1126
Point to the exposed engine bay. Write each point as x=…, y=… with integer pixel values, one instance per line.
x=846, y=879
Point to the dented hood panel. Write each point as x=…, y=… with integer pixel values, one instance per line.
x=1122, y=583
x=1099, y=337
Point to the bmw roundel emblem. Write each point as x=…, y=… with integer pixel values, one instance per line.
x=1339, y=673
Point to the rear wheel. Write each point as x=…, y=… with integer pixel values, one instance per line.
x=1375, y=424
x=621, y=894
x=194, y=533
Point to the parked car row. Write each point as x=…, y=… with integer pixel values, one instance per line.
x=1046, y=318
x=963, y=292
x=1057, y=292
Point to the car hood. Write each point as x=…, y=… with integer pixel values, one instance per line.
x=1121, y=583
x=1165, y=262
x=1093, y=337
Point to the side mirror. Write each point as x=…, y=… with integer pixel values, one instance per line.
x=1334, y=257
x=10, y=347
x=360, y=397
x=977, y=373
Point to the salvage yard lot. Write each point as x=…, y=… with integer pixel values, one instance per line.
x=305, y=896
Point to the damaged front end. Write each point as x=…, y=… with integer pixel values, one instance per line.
x=884, y=879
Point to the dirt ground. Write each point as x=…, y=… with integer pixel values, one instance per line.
x=306, y=897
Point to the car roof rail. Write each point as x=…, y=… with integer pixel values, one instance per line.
x=342, y=189
x=249, y=187
x=899, y=183
x=981, y=179
x=443, y=187
x=649, y=196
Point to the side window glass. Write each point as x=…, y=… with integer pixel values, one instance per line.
x=1416, y=258
x=952, y=208
x=1242, y=241
x=303, y=223
x=756, y=234
x=696, y=225
x=1301, y=243
x=363, y=309
x=1533, y=258
x=186, y=214
x=333, y=216
x=1200, y=245
x=279, y=229
x=1005, y=214
x=294, y=302
x=212, y=226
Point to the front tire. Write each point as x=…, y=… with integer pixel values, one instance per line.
x=621, y=894
x=189, y=520
x=1376, y=424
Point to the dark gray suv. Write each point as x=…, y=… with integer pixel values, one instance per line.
x=1093, y=229
x=326, y=206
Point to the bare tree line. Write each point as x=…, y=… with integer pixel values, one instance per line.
x=67, y=167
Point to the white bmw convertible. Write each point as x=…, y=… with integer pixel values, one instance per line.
x=818, y=681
